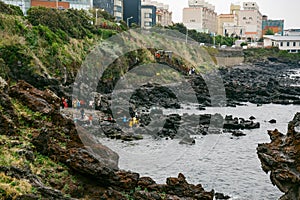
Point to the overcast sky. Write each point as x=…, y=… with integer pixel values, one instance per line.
x=289, y=10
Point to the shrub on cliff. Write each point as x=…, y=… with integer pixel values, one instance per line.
x=10, y=9
x=75, y=23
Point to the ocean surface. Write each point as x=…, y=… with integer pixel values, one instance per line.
x=221, y=162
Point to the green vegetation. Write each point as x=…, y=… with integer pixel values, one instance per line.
x=10, y=9
x=199, y=37
x=48, y=42
x=269, y=32
x=14, y=151
x=274, y=54
x=204, y=37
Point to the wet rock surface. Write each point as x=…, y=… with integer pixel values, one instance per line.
x=261, y=83
x=94, y=165
x=281, y=158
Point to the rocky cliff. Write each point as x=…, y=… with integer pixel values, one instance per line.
x=281, y=158
x=43, y=157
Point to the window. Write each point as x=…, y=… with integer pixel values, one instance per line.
x=148, y=15
x=118, y=9
x=250, y=18
x=294, y=44
x=288, y=44
x=281, y=44
x=192, y=20
x=148, y=24
x=244, y=18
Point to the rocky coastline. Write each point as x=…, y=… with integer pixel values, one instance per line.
x=46, y=145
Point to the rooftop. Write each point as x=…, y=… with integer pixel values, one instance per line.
x=283, y=38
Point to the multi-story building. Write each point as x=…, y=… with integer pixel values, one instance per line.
x=276, y=26
x=292, y=32
x=251, y=19
x=227, y=19
x=66, y=4
x=59, y=4
x=288, y=43
x=233, y=30
x=113, y=7
x=107, y=5
x=235, y=9
x=163, y=15
x=200, y=16
x=118, y=9
x=132, y=12
x=148, y=16
x=51, y=4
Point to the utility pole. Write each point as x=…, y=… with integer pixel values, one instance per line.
x=127, y=20
x=96, y=17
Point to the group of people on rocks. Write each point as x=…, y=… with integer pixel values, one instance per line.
x=76, y=103
x=133, y=121
x=64, y=103
x=79, y=105
x=83, y=117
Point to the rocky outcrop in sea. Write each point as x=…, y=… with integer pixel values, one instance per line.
x=281, y=158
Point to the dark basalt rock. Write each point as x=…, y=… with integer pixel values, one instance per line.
x=187, y=140
x=238, y=133
x=281, y=158
x=272, y=121
x=92, y=163
x=220, y=196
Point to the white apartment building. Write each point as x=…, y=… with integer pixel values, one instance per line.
x=290, y=32
x=233, y=30
x=118, y=9
x=200, y=16
x=251, y=19
x=148, y=16
x=162, y=14
x=288, y=43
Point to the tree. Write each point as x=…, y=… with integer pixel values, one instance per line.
x=269, y=32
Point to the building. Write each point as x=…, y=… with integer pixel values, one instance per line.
x=148, y=16
x=50, y=4
x=251, y=19
x=233, y=30
x=235, y=9
x=288, y=43
x=132, y=12
x=228, y=19
x=118, y=9
x=107, y=5
x=163, y=15
x=66, y=4
x=276, y=26
x=200, y=16
x=113, y=7
x=290, y=32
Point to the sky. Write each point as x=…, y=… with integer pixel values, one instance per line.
x=289, y=10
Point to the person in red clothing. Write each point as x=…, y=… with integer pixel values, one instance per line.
x=91, y=119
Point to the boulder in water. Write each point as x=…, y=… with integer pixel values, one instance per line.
x=187, y=140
